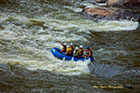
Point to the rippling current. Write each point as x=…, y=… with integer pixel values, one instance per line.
x=28, y=31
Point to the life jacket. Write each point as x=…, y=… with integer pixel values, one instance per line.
x=89, y=51
x=85, y=52
x=69, y=51
x=76, y=53
x=72, y=47
x=80, y=52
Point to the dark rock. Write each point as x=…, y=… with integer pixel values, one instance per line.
x=108, y=13
x=101, y=1
x=2, y=2
x=8, y=1
x=128, y=86
x=123, y=2
x=102, y=12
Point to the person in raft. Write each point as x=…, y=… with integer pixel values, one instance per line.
x=68, y=51
x=72, y=47
x=87, y=52
x=76, y=52
x=80, y=51
x=64, y=47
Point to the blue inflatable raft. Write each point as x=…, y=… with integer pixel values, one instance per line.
x=56, y=52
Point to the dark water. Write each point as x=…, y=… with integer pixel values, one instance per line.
x=28, y=31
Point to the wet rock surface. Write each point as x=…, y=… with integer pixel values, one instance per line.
x=108, y=13
x=123, y=2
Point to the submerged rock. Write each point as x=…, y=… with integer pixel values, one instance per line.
x=108, y=13
x=101, y=1
x=123, y=2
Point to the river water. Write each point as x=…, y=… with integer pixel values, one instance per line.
x=30, y=28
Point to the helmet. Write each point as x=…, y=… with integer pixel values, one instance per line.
x=71, y=44
x=68, y=46
x=87, y=47
x=81, y=46
x=76, y=48
x=65, y=44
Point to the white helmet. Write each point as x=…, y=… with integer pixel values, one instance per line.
x=81, y=46
x=71, y=44
x=76, y=48
x=65, y=44
x=68, y=46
